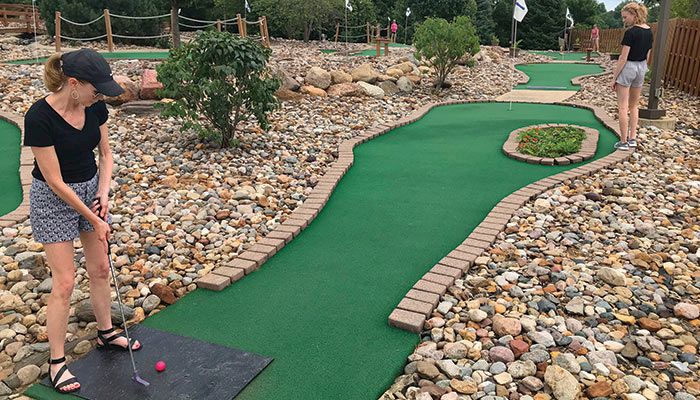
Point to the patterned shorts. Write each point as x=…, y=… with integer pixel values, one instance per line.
x=52, y=219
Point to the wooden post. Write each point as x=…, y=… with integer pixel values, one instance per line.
x=379, y=49
x=267, y=33
x=58, y=32
x=175, y=27
x=369, y=35
x=386, y=48
x=218, y=25
x=108, y=25
x=337, y=31
x=241, y=32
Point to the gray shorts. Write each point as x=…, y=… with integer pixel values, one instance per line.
x=632, y=74
x=52, y=219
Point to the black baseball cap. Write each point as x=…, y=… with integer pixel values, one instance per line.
x=88, y=65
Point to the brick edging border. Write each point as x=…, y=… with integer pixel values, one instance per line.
x=411, y=312
x=26, y=163
x=587, y=151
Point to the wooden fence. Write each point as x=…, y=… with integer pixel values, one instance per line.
x=682, y=47
x=19, y=18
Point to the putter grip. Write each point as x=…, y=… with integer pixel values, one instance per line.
x=99, y=207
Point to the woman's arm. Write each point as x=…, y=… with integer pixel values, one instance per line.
x=624, y=53
x=106, y=166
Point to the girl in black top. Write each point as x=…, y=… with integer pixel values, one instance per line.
x=628, y=75
x=69, y=195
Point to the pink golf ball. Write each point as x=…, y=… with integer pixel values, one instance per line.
x=160, y=366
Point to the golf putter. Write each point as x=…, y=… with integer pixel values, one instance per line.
x=135, y=377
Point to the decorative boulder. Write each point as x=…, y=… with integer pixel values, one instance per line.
x=389, y=87
x=371, y=90
x=405, y=85
x=313, y=91
x=288, y=82
x=338, y=76
x=395, y=72
x=131, y=91
x=345, y=89
x=318, y=77
x=149, y=84
x=365, y=73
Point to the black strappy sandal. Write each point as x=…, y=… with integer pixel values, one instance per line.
x=54, y=381
x=107, y=341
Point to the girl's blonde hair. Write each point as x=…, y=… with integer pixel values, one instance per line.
x=638, y=11
x=54, y=78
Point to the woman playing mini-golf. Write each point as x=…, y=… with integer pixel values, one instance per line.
x=628, y=75
x=69, y=194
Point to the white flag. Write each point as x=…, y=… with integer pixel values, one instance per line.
x=247, y=6
x=408, y=11
x=520, y=10
x=569, y=17
x=348, y=5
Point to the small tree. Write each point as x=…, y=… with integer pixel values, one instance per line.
x=221, y=77
x=442, y=44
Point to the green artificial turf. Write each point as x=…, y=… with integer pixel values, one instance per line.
x=319, y=307
x=553, y=76
x=11, y=193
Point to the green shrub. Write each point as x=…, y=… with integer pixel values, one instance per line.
x=443, y=44
x=224, y=79
x=551, y=142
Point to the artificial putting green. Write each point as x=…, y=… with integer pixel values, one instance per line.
x=116, y=55
x=11, y=193
x=565, y=55
x=553, y=76
x=319, y=307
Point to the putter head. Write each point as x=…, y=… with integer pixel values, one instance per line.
x=136, y=378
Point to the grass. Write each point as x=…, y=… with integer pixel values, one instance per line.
x=551, y=142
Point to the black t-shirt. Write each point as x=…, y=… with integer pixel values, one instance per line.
x=640, y=41
x=44, y=127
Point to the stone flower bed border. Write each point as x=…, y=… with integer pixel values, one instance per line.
x=588, y=147
x=420, y=301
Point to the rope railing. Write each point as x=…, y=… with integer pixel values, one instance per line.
x=139, y=37
x=174, y=16
x=200, y=26
x=341, y=30
x=84, y=39
x=82, y=23
x=195, y=20
x=147, y=17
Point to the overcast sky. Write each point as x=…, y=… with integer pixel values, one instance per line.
x=611, y=4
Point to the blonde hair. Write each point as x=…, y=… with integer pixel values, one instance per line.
x=54, y=78
x=638, y=11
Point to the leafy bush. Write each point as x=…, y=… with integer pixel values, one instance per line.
x=551, y=142
x=443, y=44
x=224, y=79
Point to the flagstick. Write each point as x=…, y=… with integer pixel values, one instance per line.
x=513, y=27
